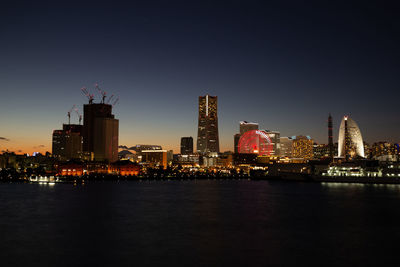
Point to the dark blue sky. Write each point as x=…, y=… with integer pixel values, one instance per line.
x=284, y=64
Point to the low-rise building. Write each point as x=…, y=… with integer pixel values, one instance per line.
x=155, y=158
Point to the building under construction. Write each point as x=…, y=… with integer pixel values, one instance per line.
x=96, y=139
x=100, y=128
x=100, y=132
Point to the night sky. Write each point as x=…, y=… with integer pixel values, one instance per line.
x=283, y=64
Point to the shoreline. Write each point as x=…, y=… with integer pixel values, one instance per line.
x=284, y=178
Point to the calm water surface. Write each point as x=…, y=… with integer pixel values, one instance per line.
x=198, y=223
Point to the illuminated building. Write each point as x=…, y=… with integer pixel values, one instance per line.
x=209, y=160
x=323, y=151
x=276, y=142
x=302, y=147
x=356, y=169
x=187, y=145
x=244, y=126
x=207, y=135
x=260, y=142
x=170, y=157
x=58, y=144
x=155, y=158
x=350, y=140
x=255, y=142
x=127, y=155
x=100, y=132
x=67, y=143
x=286, y=147
x=70, y=169
x=384, y=151
x=125, y=168
x=140, y=148
x=96, y=167
x=186, y=159
x=225, y=160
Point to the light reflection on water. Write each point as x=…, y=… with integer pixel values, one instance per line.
x=345, y=185
x=198, y=223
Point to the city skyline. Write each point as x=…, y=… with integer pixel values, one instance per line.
x=199, y=133
x=176, y=148
x=287, y=72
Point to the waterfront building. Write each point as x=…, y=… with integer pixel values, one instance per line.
x=125, y=168
x=187, y=145
x=71, y=169
x=302, y=147
x=100, y=132
x=207, y=135
x=350, y=140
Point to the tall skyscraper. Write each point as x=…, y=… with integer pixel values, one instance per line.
x=330, y=136
x=207, y=135
x=187, y=145
x=100, y=132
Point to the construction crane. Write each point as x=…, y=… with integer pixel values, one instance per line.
x=103, y=93
x=87, y=94
x=69, y=114
x=79, y=115
x=109, y=99
x=115, y=102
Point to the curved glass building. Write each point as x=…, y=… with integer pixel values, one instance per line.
x=351, y=144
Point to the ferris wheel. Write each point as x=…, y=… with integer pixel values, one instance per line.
x=255, y=142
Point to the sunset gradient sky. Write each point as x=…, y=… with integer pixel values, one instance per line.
x=284, y=64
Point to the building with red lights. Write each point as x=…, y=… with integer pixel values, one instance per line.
x=70, y=169
x=125, y=168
